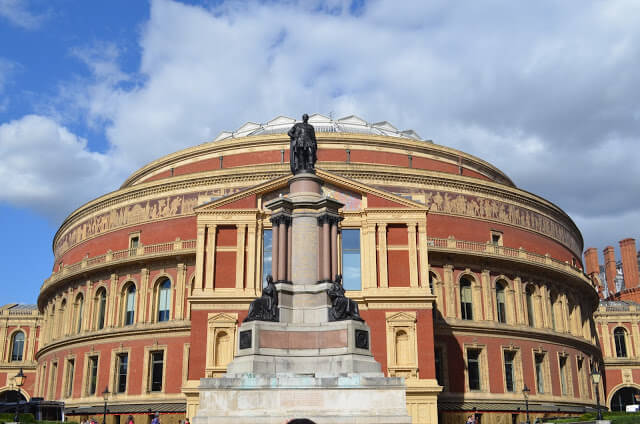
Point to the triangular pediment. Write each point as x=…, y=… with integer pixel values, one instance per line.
x=222, y=317
x=282, y=120
x=385, y=125
x=352, y=119
x=402, y=317
x=316, y=118
x=347, y=191
x=246, y=128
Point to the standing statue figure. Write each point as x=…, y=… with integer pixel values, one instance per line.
x=303, y=146
x=265, y=308
x=342, y=308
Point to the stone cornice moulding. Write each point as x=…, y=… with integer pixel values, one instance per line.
x=457, y=327
x=252, y=175
x=346, y=140
x=178, y=328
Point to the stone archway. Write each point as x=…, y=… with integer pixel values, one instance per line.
x=622, y=397
x=11, y=395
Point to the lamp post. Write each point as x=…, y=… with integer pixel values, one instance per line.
x=19, y=380
x=105, y=396
x=525, y=392
x=595, y=378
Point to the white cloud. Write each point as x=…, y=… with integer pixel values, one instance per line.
x=547, y=91
x=47, y=168
x=17, y=12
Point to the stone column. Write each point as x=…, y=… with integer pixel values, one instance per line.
x=382, y=255
x=326, y=249
x=211, y=256
x=413, y=255
x=240, y=254
x=423, y=255
x=200, y=256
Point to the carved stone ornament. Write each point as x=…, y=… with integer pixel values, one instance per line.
x=342, y=308
x=303, y=146
x=265, y=308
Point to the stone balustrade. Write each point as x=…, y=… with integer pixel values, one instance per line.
x=149, y=251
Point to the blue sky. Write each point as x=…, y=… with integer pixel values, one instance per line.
x=90, y=91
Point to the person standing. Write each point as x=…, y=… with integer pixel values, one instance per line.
x=156, y=418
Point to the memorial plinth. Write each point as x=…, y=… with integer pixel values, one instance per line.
x=305, y=365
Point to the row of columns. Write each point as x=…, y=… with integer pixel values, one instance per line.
x=281, y=244
x=56, y=314
x=328, y=247
x=484, y=301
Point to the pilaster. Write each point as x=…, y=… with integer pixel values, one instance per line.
x=413, y=255
x=369, y=256
x=424, y=257
x=181, y=272
x=476, y=293
x=87, y=321
x=200, y=256
x=143, y=297
x=210, y=257
x=112, y=307
x=517, y=286
x=252, y=254
x=449, y=292
x=240, y=255
x=382, y=255
x=485, y=278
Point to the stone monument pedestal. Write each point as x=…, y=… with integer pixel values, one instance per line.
x=353, y=399
x=305, y=365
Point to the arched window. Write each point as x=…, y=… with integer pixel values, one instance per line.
x=164, y=300
x=619, y=337
x=17, y=346
x=432, y=280
x=530, y=314
x=101, y=301
x=466, y=306
x=501, y=307
x=79, y=309
x=130, y=304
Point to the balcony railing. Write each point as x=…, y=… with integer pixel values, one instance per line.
x=492, y=250
x=114, y=257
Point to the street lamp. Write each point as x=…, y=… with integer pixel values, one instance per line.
x=525, y=392
x=19, y=380
x=105, y=396
x=595, y=378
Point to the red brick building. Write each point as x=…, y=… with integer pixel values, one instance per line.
x=472, y=287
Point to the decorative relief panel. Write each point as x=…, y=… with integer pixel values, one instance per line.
x=480, y=207
x=167, y=207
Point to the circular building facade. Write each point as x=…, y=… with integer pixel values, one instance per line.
x=472, y=287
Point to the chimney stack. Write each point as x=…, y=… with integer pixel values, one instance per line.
x=629, y=262
x=591, y=260
x=610, y=268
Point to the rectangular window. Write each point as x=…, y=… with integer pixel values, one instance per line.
x=92, y=372
x=351, y=275
x=508, y=371
x=157, y=363
x=473, y=368
x=267, y=247
x=539, y=363
x=69, y=378
x=438, y=365
x=134, y=242
x=123, y=364
x=563, y=375
x=496, y=238
x=53, y=380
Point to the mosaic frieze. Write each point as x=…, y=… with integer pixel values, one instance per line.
x=165, y=207
x=480, y=207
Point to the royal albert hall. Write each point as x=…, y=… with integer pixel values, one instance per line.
x=472, y=287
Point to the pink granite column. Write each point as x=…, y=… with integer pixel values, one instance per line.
x=320, y=250
x=334, y=248
x=274, y=248
x=289, y=248
x=282, y=250
x=326, y=259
